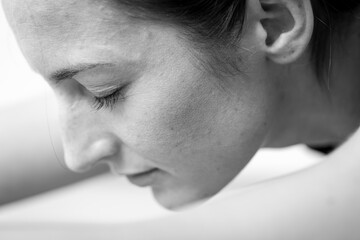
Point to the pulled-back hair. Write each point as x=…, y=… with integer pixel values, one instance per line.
x=218, y=24
x=332, y=17
x=211, y=26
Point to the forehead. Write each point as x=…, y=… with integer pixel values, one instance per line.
x=51, y=33
x=50, y=17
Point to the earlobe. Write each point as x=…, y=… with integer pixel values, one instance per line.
x=288, y=25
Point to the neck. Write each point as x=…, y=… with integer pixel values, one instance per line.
x=319, y=114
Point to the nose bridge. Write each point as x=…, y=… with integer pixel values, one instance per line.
x=86, y=140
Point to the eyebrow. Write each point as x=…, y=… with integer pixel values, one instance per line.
x=69, y=72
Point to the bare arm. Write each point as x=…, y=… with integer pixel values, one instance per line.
x=28, y=164
x=322, y=202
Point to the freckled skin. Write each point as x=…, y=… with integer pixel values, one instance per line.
x=174, y=117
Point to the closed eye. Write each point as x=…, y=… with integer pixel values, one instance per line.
x=109, y=101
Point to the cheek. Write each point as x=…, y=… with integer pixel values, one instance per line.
x=166, y=122
x=195, y=121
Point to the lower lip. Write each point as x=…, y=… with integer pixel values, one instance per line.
x=143, y=179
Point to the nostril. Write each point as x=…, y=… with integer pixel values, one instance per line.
x=102, y=150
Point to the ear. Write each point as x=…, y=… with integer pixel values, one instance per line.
x=288, y=27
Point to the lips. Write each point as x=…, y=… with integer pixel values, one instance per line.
x=143, y=179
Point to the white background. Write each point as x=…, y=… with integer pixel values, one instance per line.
x=17, y=80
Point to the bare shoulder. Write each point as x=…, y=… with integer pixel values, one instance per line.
x=347, y=156
x=321, y=202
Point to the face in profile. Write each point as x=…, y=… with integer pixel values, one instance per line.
x=132, y=95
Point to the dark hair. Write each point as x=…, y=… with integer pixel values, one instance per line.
x=332, y=18
x=217, y=24
x=209, y=20
x=211, y=26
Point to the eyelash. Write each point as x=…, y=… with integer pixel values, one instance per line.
x=110, y=100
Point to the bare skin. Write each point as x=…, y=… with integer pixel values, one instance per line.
x=278, y=103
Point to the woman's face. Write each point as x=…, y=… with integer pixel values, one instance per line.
x=165, y=114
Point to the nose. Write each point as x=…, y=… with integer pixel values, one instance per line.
x=87, y=135
x=83, y=155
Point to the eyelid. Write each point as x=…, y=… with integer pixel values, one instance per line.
x=109, y=100
x=103, y=90
x=107, y=93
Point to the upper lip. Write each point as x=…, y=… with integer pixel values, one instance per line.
x=132, y=173
x=137, y=174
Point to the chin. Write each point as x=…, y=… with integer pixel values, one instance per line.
x=178, y=200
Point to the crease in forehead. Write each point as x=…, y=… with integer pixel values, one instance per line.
x=47, y=27
x=47, y=17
